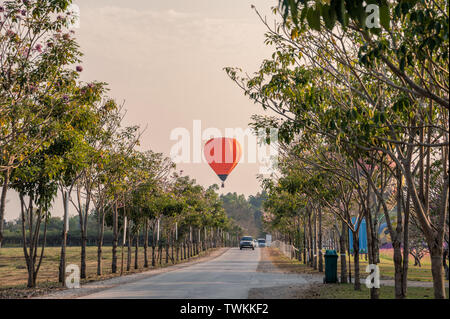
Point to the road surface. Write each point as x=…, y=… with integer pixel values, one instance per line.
x=229, y=276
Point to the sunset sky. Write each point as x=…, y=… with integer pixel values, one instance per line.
x=165, y=60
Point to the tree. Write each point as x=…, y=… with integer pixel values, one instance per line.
x=36, y=61
x=38, y=177
x=407, y=54
x=78, y=157
x=350, y=86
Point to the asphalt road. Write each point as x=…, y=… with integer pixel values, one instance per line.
x=229, y=276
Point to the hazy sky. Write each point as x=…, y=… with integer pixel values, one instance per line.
x=165, y=60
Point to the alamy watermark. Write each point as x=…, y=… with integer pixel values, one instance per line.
x=259, y=147
x=373, y=280
x=373, y=17
x=75, y=13
x=73, y=278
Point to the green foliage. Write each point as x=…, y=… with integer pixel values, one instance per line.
x=246, y=212
x=357, y=109
x=37, y=78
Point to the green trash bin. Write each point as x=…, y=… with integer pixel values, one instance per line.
x=331, y=258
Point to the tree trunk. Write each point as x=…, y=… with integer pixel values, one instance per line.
x=160, y=249
x=124, y=240
x=167, y=250
x=83, y=255
x=406, y=245
x=444, y=262
x=396, y=242
x=129, y=243
x=83, y=214
x=84, y=219
x=434, y=238
x=171, y=249
x=372, y=243
x=101, y=232
x=310, y=242
x=189, y=249
x=304, y=243
x=6, y=176
x=436, y=253
x=342, y=247
x=62, y=259
x=153, y=246
x=136, y=253
x=320, y=241
x=347, y=243
x=356, y=260
x=115, y=239
x=299, y=243
x=398, y=276
x=180, y=245
x=315, y=242
x=146, y=243
x=417, y=261
x=28, y=259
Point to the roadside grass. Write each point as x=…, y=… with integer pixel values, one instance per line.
x=13, y=271
x=346, y=291
x=415, y=273
x=387, y=271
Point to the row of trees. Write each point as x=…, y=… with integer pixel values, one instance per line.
x=363, y=116
x=59, y=135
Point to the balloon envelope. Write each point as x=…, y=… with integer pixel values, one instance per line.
x=223, y=154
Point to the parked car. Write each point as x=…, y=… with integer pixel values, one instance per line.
x=261, y=242
x=246, y=242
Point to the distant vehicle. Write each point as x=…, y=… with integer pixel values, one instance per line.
x=261, y=242
x=246, y=242
x=268, y=240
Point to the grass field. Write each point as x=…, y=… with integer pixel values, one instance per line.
x=415, y=273
x=13, y=272
x=346, y=291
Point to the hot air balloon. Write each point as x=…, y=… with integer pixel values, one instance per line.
x=223, y=154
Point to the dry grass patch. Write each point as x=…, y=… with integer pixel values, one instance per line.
x=13, y=272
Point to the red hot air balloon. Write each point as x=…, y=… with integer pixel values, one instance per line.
x=223, y=154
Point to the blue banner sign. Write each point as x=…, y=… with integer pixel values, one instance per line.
x=362, y=236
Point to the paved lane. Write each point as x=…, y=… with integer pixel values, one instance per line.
x=229, y=276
